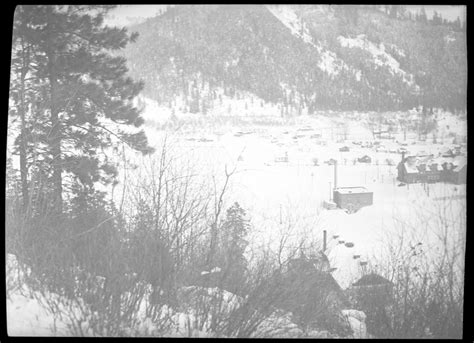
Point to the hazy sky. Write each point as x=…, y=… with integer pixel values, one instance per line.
x=125, y=14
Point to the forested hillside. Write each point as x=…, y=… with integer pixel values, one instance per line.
x=313, y=57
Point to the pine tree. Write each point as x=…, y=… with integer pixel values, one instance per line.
x=437, y=19
x=457, y=24
x=19, y=69
x=231, y=259
x=78, y=81
x=423, y=17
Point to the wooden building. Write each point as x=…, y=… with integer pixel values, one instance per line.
x=352, y=198
x=312, y=294
x=408, y=171
x=373, y=294
x=457, y=173
x=421, y=169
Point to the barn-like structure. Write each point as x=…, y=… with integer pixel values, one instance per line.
x=421, y=169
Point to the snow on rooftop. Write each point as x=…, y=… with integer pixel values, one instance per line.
x=459, y=162
x=411, y=167
x=349, y=190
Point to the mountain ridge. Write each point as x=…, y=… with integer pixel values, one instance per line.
x=304, y=57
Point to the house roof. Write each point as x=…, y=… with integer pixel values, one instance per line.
x=320, y=261
x=459, y=162
x=349, y=190
x=411, y=167
x=412, y=163
x=371, y=279
x=312, y=279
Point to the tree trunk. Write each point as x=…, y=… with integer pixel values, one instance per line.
x=55, y=134
x=22, y=110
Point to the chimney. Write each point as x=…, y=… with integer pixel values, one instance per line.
x=335, y=174
x=324, y=240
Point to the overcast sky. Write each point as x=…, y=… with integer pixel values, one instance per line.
x=127, y=14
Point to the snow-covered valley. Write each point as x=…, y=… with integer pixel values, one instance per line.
x=286, y=198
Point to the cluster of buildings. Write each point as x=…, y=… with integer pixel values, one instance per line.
x=316, y=297
x=428, y=169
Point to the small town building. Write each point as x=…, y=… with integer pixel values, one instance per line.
x=319, y=262
x=283, y=158
x=414, y=169
x=434, y=172
x=312, y=294
x=373, y=294
x=352, y=198
x=364, y=159
x=372, y=281
x=457, y=173
x=408, y=171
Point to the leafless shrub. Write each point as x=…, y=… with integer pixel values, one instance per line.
x=425, y=262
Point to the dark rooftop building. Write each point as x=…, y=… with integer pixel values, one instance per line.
x=420, y=169
x=311, y=293
x=352, y=198
x=372, y=294
x=372, y=279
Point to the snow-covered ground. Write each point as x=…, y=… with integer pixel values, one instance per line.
x=28, y=314
x=286, y=197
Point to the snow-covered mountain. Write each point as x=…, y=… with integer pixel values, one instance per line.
x=302, y=57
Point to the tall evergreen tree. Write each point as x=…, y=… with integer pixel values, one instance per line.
x=232, y=245
x=81, y=87
x=20, y=68
x=423, y=17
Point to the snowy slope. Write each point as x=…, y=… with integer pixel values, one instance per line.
x=287, y=15
x=379, y=55
x=28, y=315
x=329, y=62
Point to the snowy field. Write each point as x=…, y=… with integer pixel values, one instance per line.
x=32, y=313
x=285, y=198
